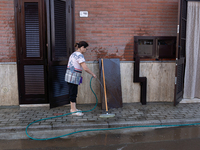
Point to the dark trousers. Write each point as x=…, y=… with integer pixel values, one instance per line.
x=73, y=91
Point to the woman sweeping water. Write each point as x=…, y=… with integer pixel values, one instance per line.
x=73, y=74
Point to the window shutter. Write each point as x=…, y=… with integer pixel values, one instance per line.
x=32, y=33
x=60, y=47
x=30, y=51
x=60, y=41
x=180, y=52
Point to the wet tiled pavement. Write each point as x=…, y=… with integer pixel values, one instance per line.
x=17, y=118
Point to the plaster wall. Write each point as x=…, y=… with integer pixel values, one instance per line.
x=160, y=83
x=8, y=84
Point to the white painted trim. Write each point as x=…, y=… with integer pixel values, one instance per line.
x=194, y=100
x=34, y=105
x=165, y=61
x=40, y=105
x=8, y=63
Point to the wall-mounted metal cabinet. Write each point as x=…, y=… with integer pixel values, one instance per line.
x=155, y=47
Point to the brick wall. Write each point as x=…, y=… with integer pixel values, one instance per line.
x=109, y=29
x=112, y=24
x=7, y=31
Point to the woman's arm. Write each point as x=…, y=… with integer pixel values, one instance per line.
x=85, y=67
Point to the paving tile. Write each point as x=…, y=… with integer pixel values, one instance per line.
x=128, y=114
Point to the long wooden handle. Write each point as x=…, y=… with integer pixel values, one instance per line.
x=104, y=84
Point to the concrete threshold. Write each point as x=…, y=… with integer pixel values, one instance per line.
x=34, y=105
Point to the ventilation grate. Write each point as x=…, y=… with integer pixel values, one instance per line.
x=32, y=30
x=60, y=30
x=34, y=79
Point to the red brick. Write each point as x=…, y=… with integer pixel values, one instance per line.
x=110, y=27
x=7, y=31
x=121, y=20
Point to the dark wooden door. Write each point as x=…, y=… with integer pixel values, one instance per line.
x=45, y=39
x=60, y=45
x=31, y=56
x=180, y=51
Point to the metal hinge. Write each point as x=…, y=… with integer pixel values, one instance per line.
x=20, y=8
x=47, y=67
x=177, y=28
x=72, y=5
x=16, y=5
x=69, y=8
x=20, y=95
x=175, y=80
x=21, y=50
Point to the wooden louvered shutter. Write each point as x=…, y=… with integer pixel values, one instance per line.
x=60, y=46
x=180, y=51
x=31, y=51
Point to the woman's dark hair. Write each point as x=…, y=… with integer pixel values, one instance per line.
x=81, y=43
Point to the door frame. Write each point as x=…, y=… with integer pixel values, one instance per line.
x=22, y=60
x=56, y=101
x=180, y=55
x=45, y=44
